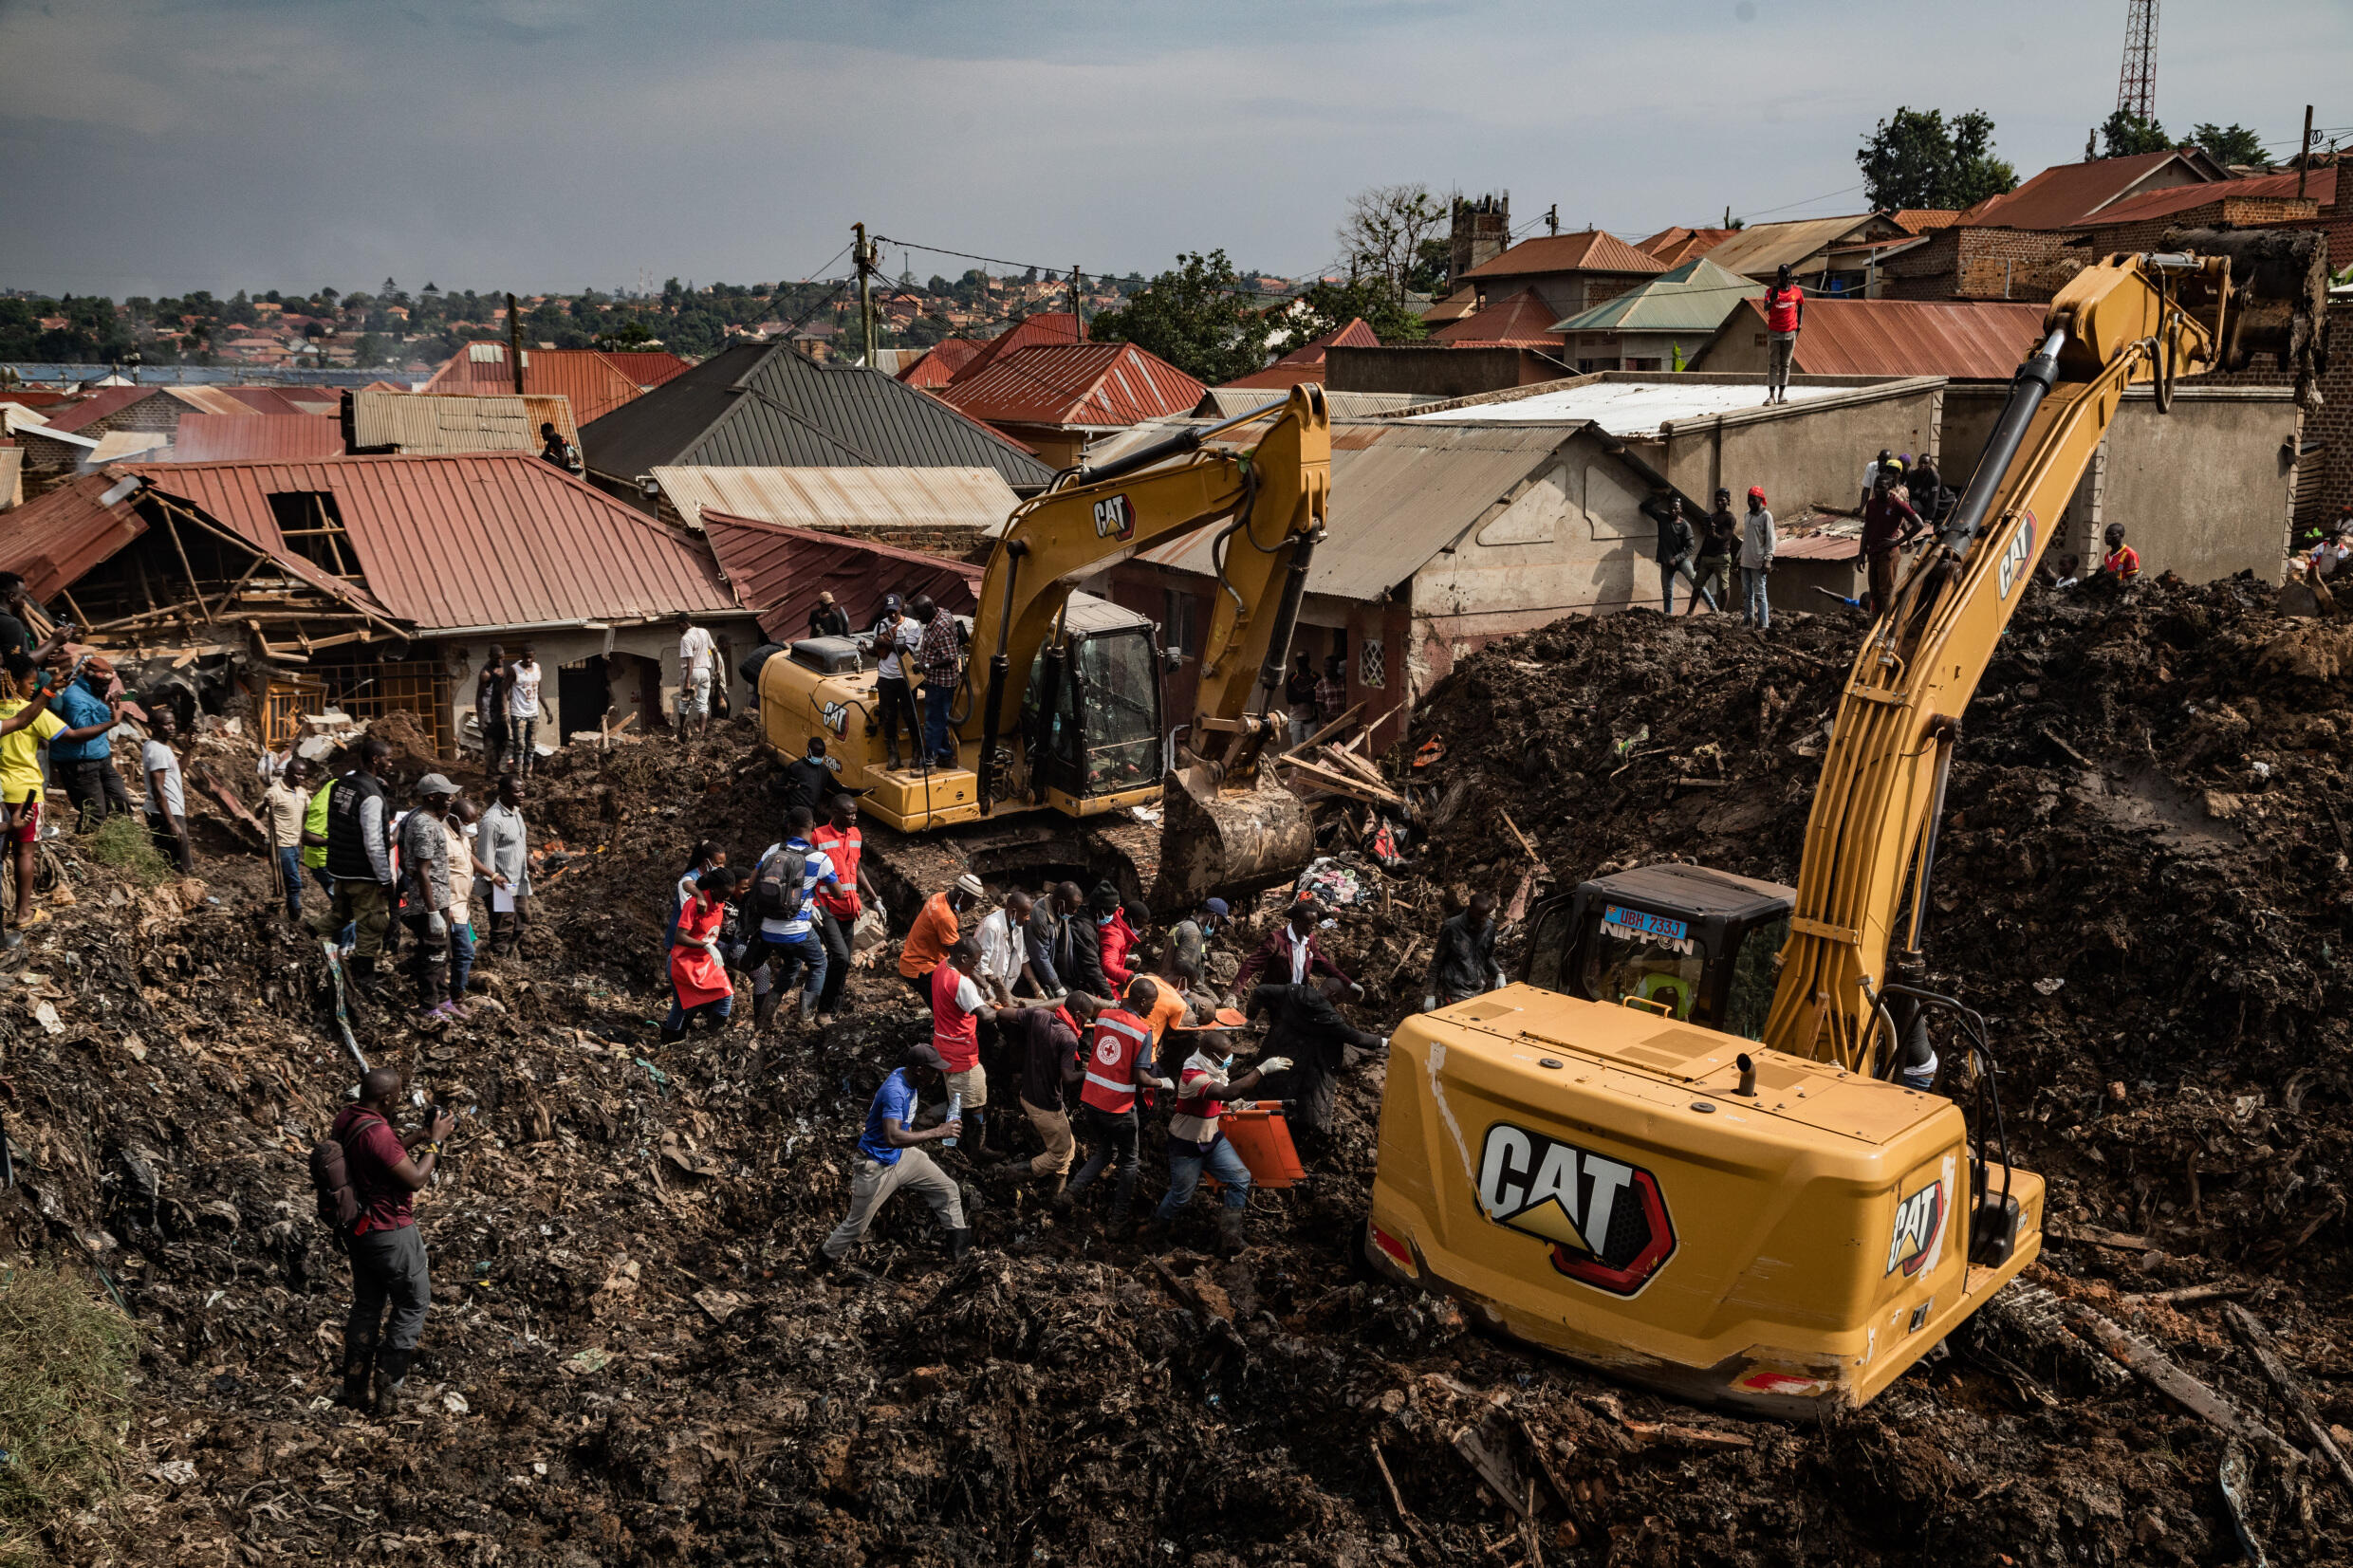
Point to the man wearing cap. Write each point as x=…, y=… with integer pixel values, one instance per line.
x=896, y=634
x=1290, y=957
x=891, y=1155
x=1757, y=543
x=808, y=779
x=829, y=619
x=936, y=928
x=424, y=844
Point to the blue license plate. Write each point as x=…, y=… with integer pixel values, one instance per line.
x=1647, y=924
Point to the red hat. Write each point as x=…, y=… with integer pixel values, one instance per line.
x=1756, y=492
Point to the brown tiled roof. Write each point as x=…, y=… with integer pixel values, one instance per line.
x=1593, y=250
x=1922, y=220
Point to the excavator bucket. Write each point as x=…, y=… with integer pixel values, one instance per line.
x=2279, y=286
x=1243, y=839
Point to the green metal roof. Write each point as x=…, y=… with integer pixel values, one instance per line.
x=1695, y=297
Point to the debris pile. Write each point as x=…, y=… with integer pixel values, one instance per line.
x=629, y=1361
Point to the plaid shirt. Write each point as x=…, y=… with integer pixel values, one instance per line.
x=937, y=652
x=1331, y=696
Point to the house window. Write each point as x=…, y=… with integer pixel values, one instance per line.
x=1372, y=664
x=313, y=528
x=1181, y=622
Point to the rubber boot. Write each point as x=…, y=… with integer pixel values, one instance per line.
x=392, y=1370
x=896, y=765
x=959, y=1244
x=358, y=1356
x=764, y=1009
x=1230, y=1232
x=977, y=1138
x=1050, y=1188
x=1122, y=1198
x=808, y=1006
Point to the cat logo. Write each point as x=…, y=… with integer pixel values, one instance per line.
x=1607, y=1221
x=2015, y=558
x=838, y=718
x=1919, y=1222
x=1115, y=518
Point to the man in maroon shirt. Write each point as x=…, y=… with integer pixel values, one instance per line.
x=1289, y=956
x=1888, y=524
x=388, y=1256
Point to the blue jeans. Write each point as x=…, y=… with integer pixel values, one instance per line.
x=1184, y=1174
x=291, y=875
x=1754, y=609
x=461, y=960
x=680, y=1016
x=789, y=957
x=935, y=738
x=351, y=928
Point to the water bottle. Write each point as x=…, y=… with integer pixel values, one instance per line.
x=955, y=1113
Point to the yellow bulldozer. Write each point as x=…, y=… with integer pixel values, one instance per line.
x=1058, y=721
x=1703, y=1147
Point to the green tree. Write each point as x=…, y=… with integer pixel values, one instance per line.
x=369, y=351
x=1916, y=160
x=1328, y=306
x=2126, y=134
x=1196, y=316
x=2228, y=144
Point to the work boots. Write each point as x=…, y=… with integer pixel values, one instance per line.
x=808, y=1006
x=959, y=1244
x=975, y=1142
x=358, y=1356
x=764, y=1009
x=893, y=761
x=1230, y=1232
x=392, y=1370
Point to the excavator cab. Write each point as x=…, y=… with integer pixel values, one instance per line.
x=1093, y=709
x=1687, y=943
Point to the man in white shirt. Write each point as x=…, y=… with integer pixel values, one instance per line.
x=694, y=648
x=896, y=637
x=1004, y=960
x=523, y=710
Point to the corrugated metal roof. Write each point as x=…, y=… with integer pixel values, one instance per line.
x=1400, y=493
x=1760, y=249
x=256, y=437
x=1967, y=340
x=1676, y=245
x=51, y=540
x=1461, y=303
x=777, y=573
x=595, y=384
x=766, y=405
x=1355, y=335
x=939, y=364
x=2069, y=193
x=105, y=401
x=648, y=367
x=2320, y=185
x=1245, y=394
x=1623, y=408
x=1098, y=386
x=1593, y=250
x=1695, y=297
x=1522, y=317
x=1275, y=377
x=844, y=498
x=11, y=476
x=117, y=443
x=438, y=424
x=1822, y=545
x=1045, y=328
x=500, y=540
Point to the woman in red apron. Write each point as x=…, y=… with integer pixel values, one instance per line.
x=699, y=979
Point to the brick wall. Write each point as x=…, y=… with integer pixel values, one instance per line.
x=1983, y=264
x=159, y=413
x=2242, y=212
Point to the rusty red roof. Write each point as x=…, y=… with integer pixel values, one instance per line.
x=1967, y=340
x=257, y=437
x=494, y=539
x=2069, y=193
x=1678, y=244
x=1278, y=377
x=595, y=384
x=939, y=364
x=1923, y=220
x=53, y=539
x=1522, y=319
x=1103, y=385
x=1594, y=250
x=648, y=367
x=1047, y=326
x=777, y=572
x=2320, y=185
x=105, y=401
x=1355, y=335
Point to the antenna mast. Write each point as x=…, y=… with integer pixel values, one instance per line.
x=2136, y=89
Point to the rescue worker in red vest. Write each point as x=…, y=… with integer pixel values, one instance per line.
x=1194, y=1141
x=1785, y=313
x=1117, y=1064
x=958, y=1009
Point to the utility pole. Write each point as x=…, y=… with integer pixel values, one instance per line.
x=514, y=342
x=1553, y=218
x=1078, y=311
x=865, y=255
x=2304, y=151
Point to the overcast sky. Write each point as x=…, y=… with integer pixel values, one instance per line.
x=155, y=146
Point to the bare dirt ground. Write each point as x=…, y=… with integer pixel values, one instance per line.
x=2144, y=885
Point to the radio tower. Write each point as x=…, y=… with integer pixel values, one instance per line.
x=2135, y=90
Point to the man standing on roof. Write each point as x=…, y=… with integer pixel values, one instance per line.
x=695, y=661
x=1757, y=544
x=554, y=449
x=1785, y=315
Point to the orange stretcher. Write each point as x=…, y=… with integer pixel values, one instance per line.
x=1262, y=1135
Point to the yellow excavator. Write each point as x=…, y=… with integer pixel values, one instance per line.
x=1060, y=706
x=1701, y=1149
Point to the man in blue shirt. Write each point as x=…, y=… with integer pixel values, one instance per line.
x=791, y=952
x=890, y=1156
x=84, y=749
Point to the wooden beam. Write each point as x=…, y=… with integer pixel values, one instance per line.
x=1330, y=729
x=171, y=526
x=1343, y=784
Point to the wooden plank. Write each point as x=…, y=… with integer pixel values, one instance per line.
x=1344, y=784
x=1328, y=732
x=2155, y=1368
x=2290, y=1387
x=1521, y=837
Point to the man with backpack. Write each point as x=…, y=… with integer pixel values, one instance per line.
x=367, y=1177
x=789, y=951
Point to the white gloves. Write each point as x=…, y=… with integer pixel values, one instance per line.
x=437, y=928
x=1275, y=1064
x=1429, y=1004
